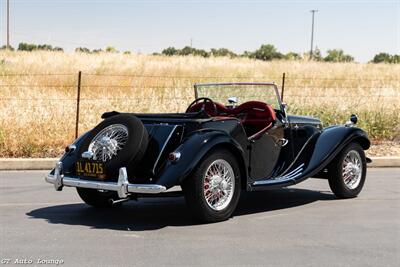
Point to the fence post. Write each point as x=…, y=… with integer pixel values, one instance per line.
x=78, y=100
x=283, y=85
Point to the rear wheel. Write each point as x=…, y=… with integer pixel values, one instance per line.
x=213, y=190
x=348, y=171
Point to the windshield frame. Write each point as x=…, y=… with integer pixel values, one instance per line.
x=282, y=109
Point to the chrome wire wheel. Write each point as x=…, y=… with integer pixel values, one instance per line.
x=106, y=144
x=352, y=169
x=219, y=184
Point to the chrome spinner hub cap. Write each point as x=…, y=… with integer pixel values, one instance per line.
x=352, y=169
x=106, y=144
x=219, y=184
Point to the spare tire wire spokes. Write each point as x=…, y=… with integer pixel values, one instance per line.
x=106, y=144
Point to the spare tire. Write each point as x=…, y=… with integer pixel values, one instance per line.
x=118, y=141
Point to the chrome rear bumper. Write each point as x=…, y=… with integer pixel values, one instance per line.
x=122, y=187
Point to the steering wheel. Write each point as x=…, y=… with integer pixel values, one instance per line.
x=205, y=100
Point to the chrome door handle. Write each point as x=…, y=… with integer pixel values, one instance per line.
x=283, y=142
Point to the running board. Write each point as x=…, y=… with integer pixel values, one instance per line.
x=286, y=179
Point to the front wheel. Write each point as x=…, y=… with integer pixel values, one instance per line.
x=348, y=171
x=213, y=190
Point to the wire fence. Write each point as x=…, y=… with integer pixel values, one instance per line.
x=77, y=83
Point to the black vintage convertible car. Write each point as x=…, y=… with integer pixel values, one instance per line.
x=232, y=137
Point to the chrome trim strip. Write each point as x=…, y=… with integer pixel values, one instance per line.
x=162, y=149
x=123, y=187
x=288, y=177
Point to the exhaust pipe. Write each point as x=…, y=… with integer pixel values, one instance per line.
x=113, y=202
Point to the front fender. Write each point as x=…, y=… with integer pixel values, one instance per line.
x=193, y=149
x=329, y=143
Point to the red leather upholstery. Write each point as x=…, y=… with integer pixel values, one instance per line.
x=256, y=113
x=255, y=116
x=209, y=108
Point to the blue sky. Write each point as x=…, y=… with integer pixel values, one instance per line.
x=361, y=28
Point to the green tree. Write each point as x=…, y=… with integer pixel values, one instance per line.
x=45, y=47
x=111, y=49
x=395, y=59
x=267, y=52
x=27, y=47
x=337, y=55
x=82, y=50
x=222, y=52
x=386, y=58
x=170, y=51
x=187, y=50
x=247, y=54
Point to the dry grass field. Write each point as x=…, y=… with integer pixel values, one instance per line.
x=38, y=93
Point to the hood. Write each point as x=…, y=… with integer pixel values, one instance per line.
x=305, y=120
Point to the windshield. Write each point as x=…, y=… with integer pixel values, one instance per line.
x=241, y=92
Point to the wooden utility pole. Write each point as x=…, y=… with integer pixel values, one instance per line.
x=312, y=33
x=8, y=24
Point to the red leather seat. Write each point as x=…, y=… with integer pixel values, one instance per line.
x=256, y=116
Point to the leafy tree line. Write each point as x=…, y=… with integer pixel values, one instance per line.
x=33, y=47
x=265, y=52
x=386, y=58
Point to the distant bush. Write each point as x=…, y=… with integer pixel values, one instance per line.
x=293, y=56
x=33, y=47
x=5, y=47
x=386, y=58
x=337, y=55
x=95, y=51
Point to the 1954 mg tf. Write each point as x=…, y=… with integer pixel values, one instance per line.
x=224, y=143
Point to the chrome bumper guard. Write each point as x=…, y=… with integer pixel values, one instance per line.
x=122, y=187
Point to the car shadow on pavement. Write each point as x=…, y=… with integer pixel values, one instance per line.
x=156, y=213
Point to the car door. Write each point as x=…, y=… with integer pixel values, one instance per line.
x=271, y=152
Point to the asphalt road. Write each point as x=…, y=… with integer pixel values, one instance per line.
x=300, y=226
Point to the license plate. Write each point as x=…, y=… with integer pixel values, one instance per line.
x=90, y=169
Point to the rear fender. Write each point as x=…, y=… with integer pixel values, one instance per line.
x=193, y=149
x=70, y=157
